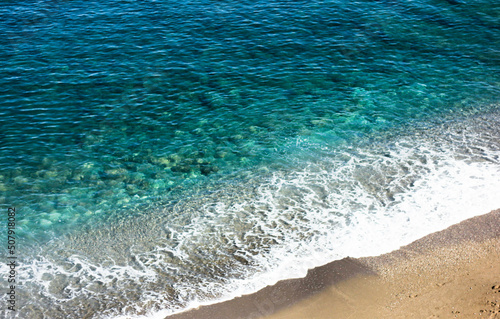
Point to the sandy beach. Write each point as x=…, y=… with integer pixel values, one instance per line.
x=454, y=273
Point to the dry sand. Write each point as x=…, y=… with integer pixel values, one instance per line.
x=454, y=273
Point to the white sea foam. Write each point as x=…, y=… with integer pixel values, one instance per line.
x=421, y=189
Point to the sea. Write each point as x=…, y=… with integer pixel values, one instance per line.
x=166, y=154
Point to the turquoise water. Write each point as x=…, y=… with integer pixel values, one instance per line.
x=166, y=153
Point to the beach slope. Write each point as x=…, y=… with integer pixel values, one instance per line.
x=454, y=273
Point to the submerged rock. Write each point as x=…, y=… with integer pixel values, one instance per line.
x=208, y=169
x=181, y=169
x=20, y=180
x=221, y=154
x=165, y=161
x=175, y=158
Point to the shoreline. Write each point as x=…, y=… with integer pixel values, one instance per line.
x=449, y=273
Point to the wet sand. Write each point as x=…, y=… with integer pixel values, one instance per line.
x=454, y=273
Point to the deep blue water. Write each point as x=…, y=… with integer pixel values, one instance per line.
x=161, y=153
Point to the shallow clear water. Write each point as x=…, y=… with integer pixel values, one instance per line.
x=164, y=154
